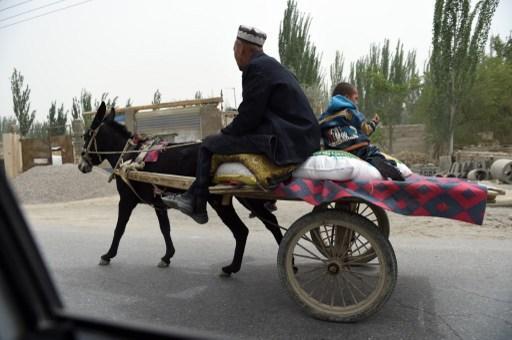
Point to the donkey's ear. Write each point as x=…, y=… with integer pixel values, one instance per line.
x=111, y=115
x=100, y=114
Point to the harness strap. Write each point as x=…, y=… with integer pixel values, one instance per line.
x=121, y=172
x=119, y=160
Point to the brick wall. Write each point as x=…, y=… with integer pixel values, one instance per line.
x=406, y=137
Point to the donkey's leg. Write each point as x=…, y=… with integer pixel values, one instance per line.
x=126, y=206
x=165, y=228
x=264, y=215
x=230, y=218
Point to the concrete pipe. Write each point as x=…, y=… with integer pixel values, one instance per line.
x=502, y=169
x=478, y=175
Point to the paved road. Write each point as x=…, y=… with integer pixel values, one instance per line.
x=450, y=286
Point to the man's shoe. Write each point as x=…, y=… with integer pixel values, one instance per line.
x=185, y=204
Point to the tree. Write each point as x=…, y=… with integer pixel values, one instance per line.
x=128, y=102
x=336, y=70
x=488, y=107
x=57, y=119
x=157, y=97
x=387, y=83
x=52, y=119
x=21, y=103
x=109, y=102
x=75, y=109
x=299, y=54
x=86, y=101
x=458, y=43
x=39, y=130
x=198, y=95
x=86, y=104
x=62, y=119
x=8, y=124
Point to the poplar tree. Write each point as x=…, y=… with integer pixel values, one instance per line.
x=300, y=55
x=21, y=103
x=387, y=83
x=75, y=109
x=458, y=41
x=157, y=97
x=336, y=70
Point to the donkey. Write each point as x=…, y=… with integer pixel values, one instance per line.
x=106, y=139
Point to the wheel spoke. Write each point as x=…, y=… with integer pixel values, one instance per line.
x=356, y=288
x=349, y=246
x=359, y=264
x=322, y=244
x=362, y=212
x=315, y=278
x=325, y=289
x=310, y=257
x=358, y=275
x=309, y=251
x=301, y=272
x=341, y=289
x=361, y=246
x=348, y=288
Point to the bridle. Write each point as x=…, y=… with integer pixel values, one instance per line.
x=92, y=142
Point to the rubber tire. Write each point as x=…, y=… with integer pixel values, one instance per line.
x=384, y=251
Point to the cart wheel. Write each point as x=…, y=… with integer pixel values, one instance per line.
x=373, y=213
x=331, y=284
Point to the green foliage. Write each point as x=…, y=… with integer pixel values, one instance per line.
x=300, y=56
x=8, y=124
x=459, y=38
x=86, y=104
x=57, y=119
x=388, y=84
x=336, y=70
x=157, y=97
x=488, y=107
x=75, y=109
x=86, y=101
x=502, y=49
x=296, y=50
x=109, y=102
x=39, y=130
x=21, y=103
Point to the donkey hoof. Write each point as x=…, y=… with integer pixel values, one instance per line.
x=163, y=264
x=224, y=274
x=228, y=270
x=104, y=262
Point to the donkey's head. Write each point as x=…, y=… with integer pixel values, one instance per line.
x=90, y=156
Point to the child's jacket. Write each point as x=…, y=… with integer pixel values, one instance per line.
x=343, y=126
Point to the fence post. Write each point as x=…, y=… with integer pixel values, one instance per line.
x=12, y=154
x=77, y=125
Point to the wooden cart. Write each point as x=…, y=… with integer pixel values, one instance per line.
x=335, y=261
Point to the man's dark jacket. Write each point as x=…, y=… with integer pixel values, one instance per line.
x=275, y=115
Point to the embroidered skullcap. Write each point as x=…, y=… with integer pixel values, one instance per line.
x=251, y=35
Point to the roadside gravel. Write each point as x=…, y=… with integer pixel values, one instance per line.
x=64, y=183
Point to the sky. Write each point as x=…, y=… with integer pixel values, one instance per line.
x=130, y=48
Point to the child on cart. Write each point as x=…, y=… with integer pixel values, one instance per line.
x=343, y=127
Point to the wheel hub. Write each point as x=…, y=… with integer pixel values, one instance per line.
x=333, y=268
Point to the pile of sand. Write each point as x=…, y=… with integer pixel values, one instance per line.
x=50, y=184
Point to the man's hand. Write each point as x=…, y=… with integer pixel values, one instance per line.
x=376, y=119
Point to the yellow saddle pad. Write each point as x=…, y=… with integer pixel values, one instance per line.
x=263, y=172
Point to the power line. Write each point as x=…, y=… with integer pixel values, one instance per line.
x=32, y=10
x=45, y=14
x=21, y=3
